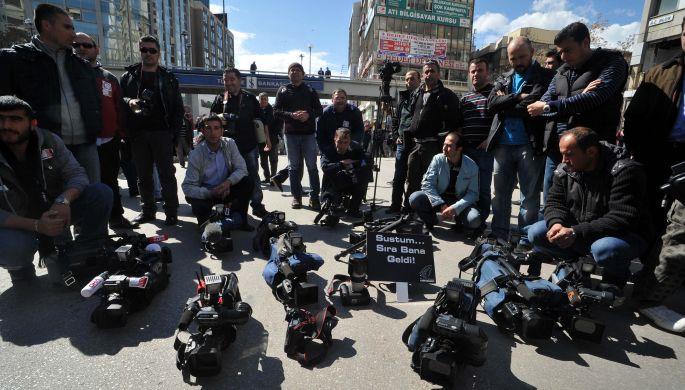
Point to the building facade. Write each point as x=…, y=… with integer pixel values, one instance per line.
x=117, y=25
x=410, y=32
x=496, y=52
x=212, y=41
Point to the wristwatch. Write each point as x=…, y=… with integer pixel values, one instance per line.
x=61, y=200
x=546, y=109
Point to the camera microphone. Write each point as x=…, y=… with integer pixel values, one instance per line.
x=94, y=285
x=212, y=232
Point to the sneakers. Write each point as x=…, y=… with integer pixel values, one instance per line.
x=315, y=204
x=143, y=217
x=665, y=318
x=296, y=204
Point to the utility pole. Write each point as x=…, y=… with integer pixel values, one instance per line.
x=301, y=58
x=310, y=58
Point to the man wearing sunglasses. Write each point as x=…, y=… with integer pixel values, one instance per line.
x=60, y=86
x=153, y=113
x=108, y=141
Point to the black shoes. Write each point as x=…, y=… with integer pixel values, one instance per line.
x=315, y=204
x=259, y=212
x=277, y=180
x=296, y=204
x=143, y=217
x=121, y=223
x=23, y=276
x=171, y=220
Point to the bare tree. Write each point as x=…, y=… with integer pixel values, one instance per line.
x=597, y=29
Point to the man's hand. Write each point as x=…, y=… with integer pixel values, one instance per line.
x=592, y=86
x=63, y=212
x=348, y=162
x=398, y=141
x=50, y=224
x=561, y=236
x=447, y=212
x=500, y=93
x=553, y=231
x=301, y=115
x=134, y=104
x=221, y=191
x=536, y=109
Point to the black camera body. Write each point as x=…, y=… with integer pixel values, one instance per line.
x=140, y=275
x=303, y=328
x=293, y=290
x=675, y=188
x=215, y=239
x=216, y=310
x=328, y=216
x=231, y=121
x=273, y=225
x=446, y=337
x=146, y=102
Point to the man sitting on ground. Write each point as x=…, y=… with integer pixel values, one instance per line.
x=449, y=187
x=217, y=174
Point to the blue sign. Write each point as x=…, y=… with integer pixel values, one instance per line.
x=253, y=82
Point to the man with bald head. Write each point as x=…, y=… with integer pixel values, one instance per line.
x=109, y=138
x=515, y=139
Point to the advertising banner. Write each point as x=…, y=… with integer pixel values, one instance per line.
x=447, y=12
x=405, y=45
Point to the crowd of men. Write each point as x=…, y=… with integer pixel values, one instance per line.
x=67, y=126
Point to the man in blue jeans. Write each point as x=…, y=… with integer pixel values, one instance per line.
x=43, y=190
x=449, y=187
x=298, y=105
x=596, y=205
x=515, y=140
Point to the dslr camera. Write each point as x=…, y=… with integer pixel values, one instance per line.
x=447, y=336
x=146, y=102
x=230, y=122
x=217, y=309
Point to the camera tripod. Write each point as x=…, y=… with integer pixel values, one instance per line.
x=382, y=126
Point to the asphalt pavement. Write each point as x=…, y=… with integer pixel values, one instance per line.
x=48, y=341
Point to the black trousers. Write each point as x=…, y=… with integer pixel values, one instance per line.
x=239, y=197
x=151, y=148
x=269, y=160
x=417, y=164
x=109, y=173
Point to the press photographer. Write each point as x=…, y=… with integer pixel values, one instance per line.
x=217, y=174
x=346, y=169
x=43, y=192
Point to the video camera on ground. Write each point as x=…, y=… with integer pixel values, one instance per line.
x=328, y=216
x=353, y=287
x=217, y=309
x=304, y=328
x=216, y=234
x=273, y=225
x=137, y=271
x=286, y=271
x=447, y=336
x=527, y=305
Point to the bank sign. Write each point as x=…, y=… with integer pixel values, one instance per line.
x=400, y=257
x=447, y=12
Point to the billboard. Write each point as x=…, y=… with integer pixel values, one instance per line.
x=418, y=61
x=405, y=45
x=447, y=12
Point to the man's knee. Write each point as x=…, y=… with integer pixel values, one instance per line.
x=607, y=251
x=472, y=218
x=97, y=196
x=416, y=199
x=17, y=247
x=537, y=233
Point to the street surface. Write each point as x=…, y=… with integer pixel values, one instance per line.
x=48, y=341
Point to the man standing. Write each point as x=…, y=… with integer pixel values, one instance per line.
x=44, y=73
x=401, y=123
x=253, y=68
x=44, y=191
x=337, y=115
x=435, y=110
x=154, y=111
x=477, y=124
x=449, y=187
x=240, y=110
x=586, y=91
x=184, y=143
x=268, y=158
x=596, y=206
x=298, y=105
x=515, y=139
x=109, y=139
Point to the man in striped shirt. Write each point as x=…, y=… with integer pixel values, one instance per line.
x=587, y=91
x=477, y=123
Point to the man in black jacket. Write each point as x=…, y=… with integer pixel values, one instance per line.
x=596, y=206
x=298, y=105
x=515, y=139
x=400, y=124
x=154, y=111
x=346, y=169
x=339, y=114
x=59, y=85
x=435, y=111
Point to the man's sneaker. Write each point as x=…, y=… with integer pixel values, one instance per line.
x=296, y=204
x=144, y=217
x=277, y=181
x=121, y=223
x=665, y=318
x=315, y=204
x=259, y=212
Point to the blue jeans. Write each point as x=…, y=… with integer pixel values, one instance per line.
x=301, y=148
x=512, y=161
x=468, y=218
x=252, y=162
x=613, y=254
x=91, y=211
x=550, y=166
x=401, y=155
x=485, y=162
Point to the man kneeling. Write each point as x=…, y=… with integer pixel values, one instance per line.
x=596, y=205
x=43, y=190
x=450, y=187
x=217, y=174
x=346, y=169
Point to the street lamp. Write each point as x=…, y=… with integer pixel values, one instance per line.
x=301, y=57
x=310, y=58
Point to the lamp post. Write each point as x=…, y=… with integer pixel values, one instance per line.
x=310, y=58
x=301, y=57
x=184, y=36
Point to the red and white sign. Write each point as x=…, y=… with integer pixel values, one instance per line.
x=418, y=61
x=405, y=45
